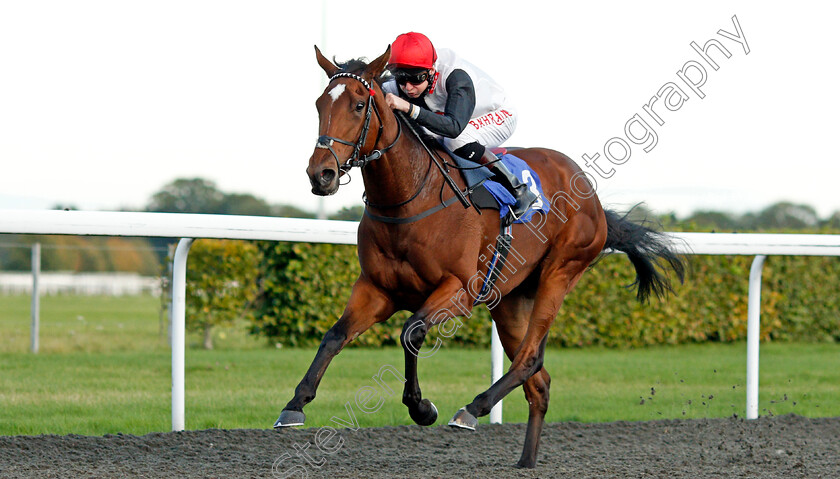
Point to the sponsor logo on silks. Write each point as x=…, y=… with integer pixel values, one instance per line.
x=493, y=118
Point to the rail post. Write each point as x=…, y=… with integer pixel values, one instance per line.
x=179, y=296
x=753, y=333
x=497, y=367
x=35, y=332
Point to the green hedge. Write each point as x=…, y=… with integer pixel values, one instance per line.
x=306, y=286
x=221, y=284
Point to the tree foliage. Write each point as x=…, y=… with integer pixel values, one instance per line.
x=244, y=204
x=783, y=215
x=348, y=213
x=187, y=195
x=79, y=254
x=786, y=215
x=289, y=211
x=198, y=195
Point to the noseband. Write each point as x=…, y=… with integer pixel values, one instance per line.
x=358, y=159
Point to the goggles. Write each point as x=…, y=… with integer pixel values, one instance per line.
x=415, y=78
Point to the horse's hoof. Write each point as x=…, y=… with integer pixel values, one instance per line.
x=289, y=418
x=425, y=414
x=464, y=420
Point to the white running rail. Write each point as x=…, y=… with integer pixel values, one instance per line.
x=191, y=226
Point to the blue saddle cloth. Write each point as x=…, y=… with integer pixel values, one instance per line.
x=475, y=176
x=506, y=199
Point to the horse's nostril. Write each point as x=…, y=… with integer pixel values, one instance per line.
x=327, y=176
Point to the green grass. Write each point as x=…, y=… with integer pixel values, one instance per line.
x=99, y=324
x=113, y=375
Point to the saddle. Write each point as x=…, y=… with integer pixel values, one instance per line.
x=482, y=198
x=485, y=193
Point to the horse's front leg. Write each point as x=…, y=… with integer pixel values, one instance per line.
x=367, y=306
x=448, y=301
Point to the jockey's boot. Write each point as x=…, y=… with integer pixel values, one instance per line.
x=520, y=191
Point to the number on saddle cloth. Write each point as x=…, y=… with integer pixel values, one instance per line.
x=506, y=200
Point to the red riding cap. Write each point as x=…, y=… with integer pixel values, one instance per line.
x=412, y=49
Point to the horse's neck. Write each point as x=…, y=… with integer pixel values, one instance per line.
x=400, y=174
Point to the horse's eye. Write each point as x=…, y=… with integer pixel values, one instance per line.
x=360, y=106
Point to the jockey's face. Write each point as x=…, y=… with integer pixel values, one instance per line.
x=406, y=81
x=413, y=90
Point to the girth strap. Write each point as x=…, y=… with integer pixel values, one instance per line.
x=411, y=219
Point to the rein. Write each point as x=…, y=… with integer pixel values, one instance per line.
x=459, y=195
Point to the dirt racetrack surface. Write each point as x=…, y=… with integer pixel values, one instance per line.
x=770, y=447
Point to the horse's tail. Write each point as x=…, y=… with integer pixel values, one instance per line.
x=647, y=249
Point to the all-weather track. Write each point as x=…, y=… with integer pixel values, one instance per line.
x=787, y=446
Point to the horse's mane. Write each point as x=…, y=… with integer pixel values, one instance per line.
x=357, y=66
x=353, y=65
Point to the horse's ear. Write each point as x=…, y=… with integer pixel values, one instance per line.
x=327, y=65
x=376, y=67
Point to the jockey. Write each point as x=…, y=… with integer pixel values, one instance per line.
x=454, y=100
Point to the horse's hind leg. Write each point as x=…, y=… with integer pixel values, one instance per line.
x=511, y=317
x=536, y=392
x=366, y=307
x=553, y=287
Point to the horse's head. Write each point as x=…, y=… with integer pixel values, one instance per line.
x=344, y=111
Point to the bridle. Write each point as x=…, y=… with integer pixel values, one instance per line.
x=358, y=159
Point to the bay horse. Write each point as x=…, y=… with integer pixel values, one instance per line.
x=424, y=263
